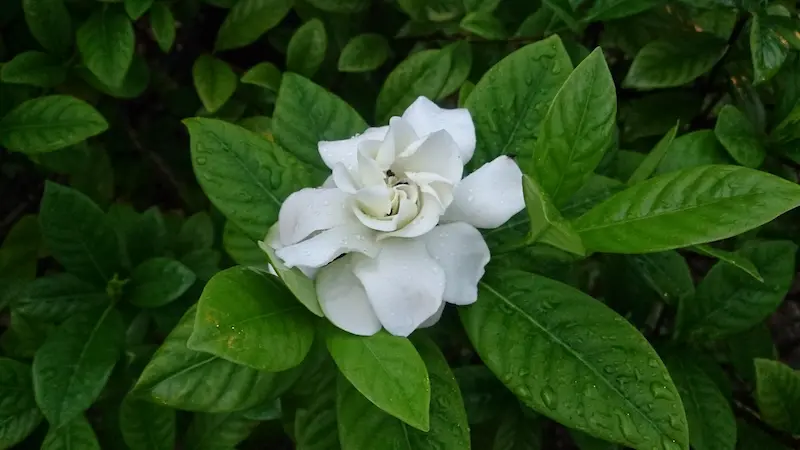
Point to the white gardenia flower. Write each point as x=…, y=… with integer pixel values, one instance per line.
x=398, y=210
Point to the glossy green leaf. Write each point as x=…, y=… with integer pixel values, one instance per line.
x=767, y=48
x=315, y=422
x=135, y=82
x=666, y=273
x=693, y=149
x=244, y=175
x=387, y=370
x=264, y=74
x=460, y=67
x=77, y=434
x=248, y=20
x=778, y=394
x=362, y=425
x=689, y=207
x=576, y=130
x=71, y=368
x=49, y=22
x=728, y=300
x=669, y=63
x=616, y=9
x=34, y=68
x=205, y=263
x=219, y=431
x=147, y=426
x=732, y=258
x=158, y=281
x=307, y=48
x=298, y=283
x=711, y=422
x=197, y=381
x=78, y=234
x=258, y=124
x=739, y=137
x=422, y=74
x=242, y=248
x=137, y=8
x=574, y=360
x=162, y=24
x=53, y=298
x=19, y=415
x=49, y=123
x=483, y=24
x=364, y=53
x=242, y=309
x=547, y=225
x=106, y=43
x=306, y=113
x=510, y=101
x=654, y=158
x=214, y=81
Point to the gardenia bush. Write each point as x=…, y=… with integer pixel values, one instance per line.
x=239, y=224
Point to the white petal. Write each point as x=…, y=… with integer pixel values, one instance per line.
x=329, y=183
x=488, y=197
x=342, y=179
x=401, y=134
x=426, y=219
x=369, y=172
x=426, y=117
x=461, y=251
x=328, y=245
x=434, y=319
x=437, y=153
x=375, y=200
x=309, y=210
x=345, y=151
x=344, y=300
x=403, y=283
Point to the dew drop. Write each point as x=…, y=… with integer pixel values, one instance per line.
x=660, y=391
x=670, y=444
x=200, y=160
x=549, y=397
x=675, y=422
x=471, y=198
x=653, y=363
x=627, y=428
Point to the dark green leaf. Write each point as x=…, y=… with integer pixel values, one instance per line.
x=162, y=24
x=739, y=137
x=106, y=42
x=574, y=360
x=751, y=437
x=49, y=23
x=158, y=281
x=19, y=414
x=54, y=298
x=483, y=24
x=666, y=273
x=767, y=48
x=732, y=258
x=547, y=225
x=743, y=348
x=34, y=68
x=71, y=368
x=654, y=158
x=264, y=74
x=214, y=80
x=23, y=336
x=669, y=63
x=654, y=114
x=19, y=253
x=49, y=123
x=77, y=434
x=197, y=233
x=241, y=248
x=218, y=431
x=484, y=396
x=693, y=149
x=147, y=426
x=692, y=206
x=248, y=20
x=205, y=263
x=315, y=423
x=364, y=53
x=460, y=67
x=137, y=8
x=422, y=74
x=587, y=442
x=778, y=394
x=615, y=9
x=340, y=6
x=307, y=48
x=134, y=83
x=518, y=431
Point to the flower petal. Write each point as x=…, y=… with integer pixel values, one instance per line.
x=403, y=283
x=309, y=210
x=437, y=154
x=344, y=151
x=344, y=300
x=329, y=245
x=434, y=319
x=488, y=197
x=461, y=251
x=426, y=219
x=426, y=117
x=342, y=178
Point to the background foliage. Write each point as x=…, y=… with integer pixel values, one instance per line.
x=603, y=321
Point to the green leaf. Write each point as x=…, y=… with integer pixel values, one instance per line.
x=693, y=149
x=214, y=81
x=743, y=348
x=137, y=8
x=586, y=442
x=669, y=63
x=218, y=431
x=362, y=425
x=387, y=370
x=364, y=53
x=616, y=9
x=19, y=253
x=205, y=263
x=711, y=422
x=197, y=233
x=71, y=368
x=34, y=68
x=197, y=381
x=315, y=423
x=484, y=395
x=307, y=48
x=147, y=426
x=49, y=123
x=242, y=248
x=574, y=360
x=422, y=74
x=666, y=273
x=77, y=434
x=730, y=301
x=134, y=83
x=512, y=98
x=340, y=6
x=732, y=258
x=654, y=158
x=248, y=20
x=19, y=415
x=306, y=113
x=158, y=281
x=106, y=42
x=577, y=129
x=49, y=22
x=778, y=394
x=264, y=74
x=23, y=336
x=484, y=24
x=767, y=48
x=240, y=310
x=244, y=175
x=162, y=24
x=693, y=206
x=460, y=67
x=78, y=234
x=145, y=236
x=547, y=225
x=518, y=431
x=655, y=113
x=53, y=298
x=739, y=137
x=258, y=124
